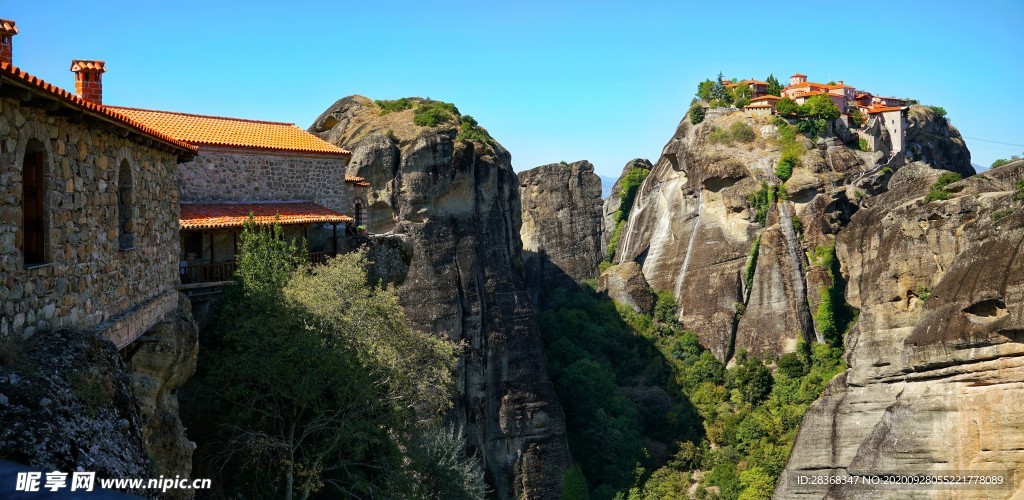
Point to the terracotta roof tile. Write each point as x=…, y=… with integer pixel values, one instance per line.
x=766, y=98
x=353, y=178
x=88, y=65
x=203, y=130
x=14, y=73
x=222, y=215
x=882, y=109
x=7, y=27
x=797, y=74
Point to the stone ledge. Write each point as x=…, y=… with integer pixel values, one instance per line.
x=127, y=327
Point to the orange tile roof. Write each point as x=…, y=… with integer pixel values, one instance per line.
x=36, y=84
x=757, y=106
x=203, y=130
x=766, y=98
x=882, y=109
x=88, y=65
x=797, y=74
x=7, y=27
x=223, y=215
x=353, y=178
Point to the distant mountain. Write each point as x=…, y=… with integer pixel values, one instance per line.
x=979, y=168
x=606, y=185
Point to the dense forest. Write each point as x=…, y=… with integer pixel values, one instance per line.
x=652, y=414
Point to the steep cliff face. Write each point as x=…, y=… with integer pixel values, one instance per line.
x=714, y=224
x=159, y=365
x=562, y=226
x=935, y=372
x=614, y=202
x=457, y=201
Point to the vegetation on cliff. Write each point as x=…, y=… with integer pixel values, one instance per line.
x=311, y=379
x=629, y=186
x=652, y=413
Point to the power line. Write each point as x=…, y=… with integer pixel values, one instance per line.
x=994, y=142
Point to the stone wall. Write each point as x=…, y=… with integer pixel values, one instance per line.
x=86, y=280
x=219, y=174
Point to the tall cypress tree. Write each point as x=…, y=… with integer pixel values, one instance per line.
x=774, y=87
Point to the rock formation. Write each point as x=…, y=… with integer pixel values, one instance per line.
x=935, y=372
x=612, y=203
x=561, y=229
x=159, y=365
x=625, y=284
x=457, y=201
x=716, y=226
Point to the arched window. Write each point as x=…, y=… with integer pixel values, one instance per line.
x=360, y=216
x=125, y=205
x=33, y=204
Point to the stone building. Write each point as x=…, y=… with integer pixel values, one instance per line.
x=88, y=211
x=272, y=170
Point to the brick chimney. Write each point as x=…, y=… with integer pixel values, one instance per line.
x=89, y=79
x=7, y=32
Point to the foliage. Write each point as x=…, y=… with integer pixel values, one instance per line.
x=774, y=87
x=862, y=144
x=833, y=315
x=470, y=131
x=1001, y=214
x=742, y=132
x=629, y=186
x=1003, y=161
x=696, y=113
x=784, y=170
x=787, y=107
x=394, y=106
x=857, y=117
x=923, y=292
x=1020, y=190
x=820, y=107
x=574, y=485
x=443, y=470
x=704, y=90
x=812, y=127
x=331, y=405
x=434, y=113
x=718, y=90
x=603, y=266
x=938, y=189
x=755, y=250
x=741, y=95
x=798, y=226
x=939, y=110
x=761, y=201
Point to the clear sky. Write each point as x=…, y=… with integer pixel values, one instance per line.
x=551, y=81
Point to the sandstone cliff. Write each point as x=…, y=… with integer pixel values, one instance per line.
x=561, y=230
x=935, y=372
x=714, y=224
x=450, y=189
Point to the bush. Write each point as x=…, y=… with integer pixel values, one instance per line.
x=696, y=113
x=761, y=200
x=742, y=132
x=939, y=110
x=755, y=250
x=719, y=136
x=470, y=131
x=857, y=118
x=938, y=190
x=792, y=366
x=388, y=106
x=862, y=144
x=434, y=113
x=820, y=106
x=574, y=485
x=1003, y=161
x=787, y=107
x=1020, y=190
x=784, y=170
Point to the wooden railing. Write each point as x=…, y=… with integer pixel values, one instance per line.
x=203, y=273
x=223, y=271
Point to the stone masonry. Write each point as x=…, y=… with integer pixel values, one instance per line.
x=226, y=175
x=86, y=282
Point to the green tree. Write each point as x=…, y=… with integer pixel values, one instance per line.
x=696, y=113
x=1003, y=161
x=787, y=107
x=309, y=378
x=718, y=90
x=705, y=89
x=741, y=95
x=574, y=485
x=774, y=87
x=821, y=106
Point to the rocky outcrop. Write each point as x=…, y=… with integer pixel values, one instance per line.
x=66, y=404
x=613, y=203
x=561, y=231
x=159, y=364
x=624, y=283
x=935, y=358
x=933, y=140
x=706, y=204
x=458, y=203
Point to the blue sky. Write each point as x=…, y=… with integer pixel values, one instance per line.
x=552, y=81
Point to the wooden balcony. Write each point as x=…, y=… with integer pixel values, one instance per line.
x=190, y=274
